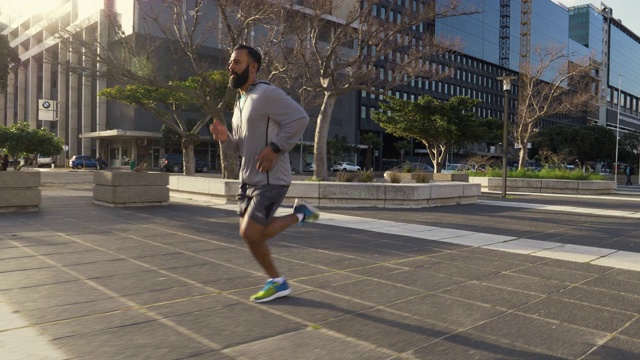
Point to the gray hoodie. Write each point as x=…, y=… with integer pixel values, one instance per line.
x=265, y=114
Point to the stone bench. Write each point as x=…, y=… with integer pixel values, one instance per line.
x=19, y=190
x=550, y=186
x=335, y=194
x=124, y=188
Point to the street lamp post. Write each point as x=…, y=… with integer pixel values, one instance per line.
x=506, y=86
x=615, y=167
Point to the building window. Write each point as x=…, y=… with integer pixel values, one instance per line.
x=363, y=112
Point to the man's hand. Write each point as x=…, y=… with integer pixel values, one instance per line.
x=219, y=131
x=266, y=159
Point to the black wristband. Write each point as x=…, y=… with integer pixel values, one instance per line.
x=276, y=149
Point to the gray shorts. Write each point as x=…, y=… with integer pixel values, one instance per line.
x=260, y=202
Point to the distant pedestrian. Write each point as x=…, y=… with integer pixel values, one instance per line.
x=5, y=162
x=629, y=172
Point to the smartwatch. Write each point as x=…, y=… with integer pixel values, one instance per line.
x=276, y=149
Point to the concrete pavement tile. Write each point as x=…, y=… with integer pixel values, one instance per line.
x=317, y=306
x=445, y=310
x=611, y=282
x=107, y=268
x=600, y=297
x=142, y=250
x=213, y=355
x=238, y=323
x=169, y=261
x=59, y=249
x=6, y=244
x=377, y=270
x=574, y=313
x=93, y=324
x=467, y=345
x=137, y=283
x=150, y=340
x=421, y=279
x=29, y=235
x=633, y=330
x=308, y=345
x=624, y=274
x=210, y=272
x=110, y=241
x=366, y=290
x=73, y=311
x=35, y=277
x=27, y=343
x=24, y=263
x=397, y=332
x=589, y=268
x=522, y=246
x=620, y=259
x=42, y=240
x=484, y=262
x=50, y=295
x=618, y=348
x=574, y=253
x=191, y=305
x=502, y=255
x=324, y=280
x=167, y=295
x=491, y=295
x=417, y=262
x=461, y=271
x=556, y=274
x=82, y=257
x=526, y=283
x=197, y=245
x=549, y=336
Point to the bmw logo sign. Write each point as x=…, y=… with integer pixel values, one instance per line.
x=46, y=104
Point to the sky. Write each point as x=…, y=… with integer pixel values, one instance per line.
x=625, y=10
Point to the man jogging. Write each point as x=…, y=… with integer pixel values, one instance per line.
x=267, y=123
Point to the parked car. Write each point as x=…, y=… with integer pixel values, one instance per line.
x=452, y=168
x=309, y=167
x=412, y=167
x=86, y=161
x=173, y=163
x=345, y=166
x=44, y=161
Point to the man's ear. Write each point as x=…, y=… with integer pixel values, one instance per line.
x=254, y=67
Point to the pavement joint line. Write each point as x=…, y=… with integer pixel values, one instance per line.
x=124, y=300
x=566, y=252
x=171, y=324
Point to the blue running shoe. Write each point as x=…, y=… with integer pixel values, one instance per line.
x=272, y=290
x=308, y=212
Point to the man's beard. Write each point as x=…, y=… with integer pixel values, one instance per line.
x=239, y=79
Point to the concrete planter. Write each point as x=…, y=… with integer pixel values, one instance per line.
x=123, y=188
x=19, y=191
x=550, y=186
x=335, y=194
x=407, y=177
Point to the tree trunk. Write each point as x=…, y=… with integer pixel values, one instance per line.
x=522, y=159
x=322, y=133
x=188, y=159
x=229, y=164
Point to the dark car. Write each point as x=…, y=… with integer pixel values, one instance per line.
x=86, y=161
x=173, y=163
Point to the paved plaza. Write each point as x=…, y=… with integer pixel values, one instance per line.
x=528, y=277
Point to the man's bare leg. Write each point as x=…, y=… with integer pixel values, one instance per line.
x=256, y=236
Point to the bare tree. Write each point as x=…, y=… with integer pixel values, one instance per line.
x=191, y=41
x=556, y=84
x=352, y=45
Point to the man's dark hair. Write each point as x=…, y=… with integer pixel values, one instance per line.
x=254, y=54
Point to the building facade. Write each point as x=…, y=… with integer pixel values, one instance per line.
x=491, y=44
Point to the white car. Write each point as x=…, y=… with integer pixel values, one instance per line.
x=454, y=168
x=345, y=166
x=44, y=161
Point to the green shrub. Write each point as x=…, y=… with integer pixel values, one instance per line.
x=366, y=176
x=421, y=177
x=344, y=176
x=546, y=173
x=394, y=178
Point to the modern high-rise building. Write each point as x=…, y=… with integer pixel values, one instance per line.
x=492, y=43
